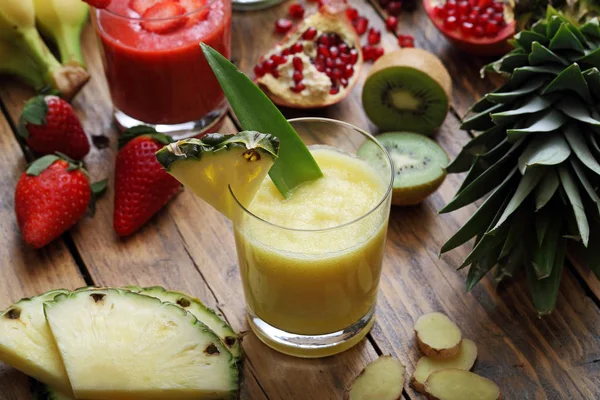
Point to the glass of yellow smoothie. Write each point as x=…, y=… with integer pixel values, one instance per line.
x=311, y=264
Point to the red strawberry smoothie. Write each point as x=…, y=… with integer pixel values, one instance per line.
x=155, y=69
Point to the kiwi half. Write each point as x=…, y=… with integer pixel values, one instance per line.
x=407, y=89
x=419, y=164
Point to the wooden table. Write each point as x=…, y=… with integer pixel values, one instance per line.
x=189, y=247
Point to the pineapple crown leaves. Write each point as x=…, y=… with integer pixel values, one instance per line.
x=194, y=148
x=576, y=11
x=537, y=158
x=143, y=130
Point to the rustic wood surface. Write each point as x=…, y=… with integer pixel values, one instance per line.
x=189, y=247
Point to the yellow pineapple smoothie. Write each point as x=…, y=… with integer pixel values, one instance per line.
x=310, y=264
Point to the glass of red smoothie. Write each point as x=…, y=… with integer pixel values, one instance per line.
x=156, y=72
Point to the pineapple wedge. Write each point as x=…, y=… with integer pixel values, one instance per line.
x=121, y=345
x=207, y=316
x=26, y=342
x=42, y=391
x=208, y=166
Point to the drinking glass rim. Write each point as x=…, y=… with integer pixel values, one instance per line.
x=363, y=216
x=136, y=19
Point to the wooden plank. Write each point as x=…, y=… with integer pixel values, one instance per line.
x=24, y=272
x=517, y=352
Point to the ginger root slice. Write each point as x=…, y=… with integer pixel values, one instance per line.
x=458, y=384
x=382, y=379
x=465, y=359
x=437, y=336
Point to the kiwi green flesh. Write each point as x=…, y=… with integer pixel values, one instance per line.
x=404, y=98
x=419, y=164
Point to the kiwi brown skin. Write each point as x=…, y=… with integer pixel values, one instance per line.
x=416, y=194
x=405, y=60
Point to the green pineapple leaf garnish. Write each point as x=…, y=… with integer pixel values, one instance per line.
x=536, y=158
x=256, y=112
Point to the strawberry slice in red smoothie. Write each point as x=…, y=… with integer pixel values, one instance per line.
x=162, y=17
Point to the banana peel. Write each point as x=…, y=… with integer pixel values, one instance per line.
x=18, y=30
x=62, y=21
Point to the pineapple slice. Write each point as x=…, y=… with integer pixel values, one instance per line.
x=208, y=166
x=207, y=316
x=121, y=345
x=26, y=342
x=42, y=391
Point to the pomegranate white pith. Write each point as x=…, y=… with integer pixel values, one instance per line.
x=316, y=65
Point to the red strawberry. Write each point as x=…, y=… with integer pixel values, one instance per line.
x=98, y=3
x=51, y=196
x=197, y=10
x=49, y=124
x=142, y=186
x=164, y=17
x=140, y=6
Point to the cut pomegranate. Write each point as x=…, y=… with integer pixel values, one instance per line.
x=361, y=24
x=164, y=17
x=480, y=27
x=322, y=62
x=283, y=25
x=391, y=23
x=374, y=36
x=296, y=11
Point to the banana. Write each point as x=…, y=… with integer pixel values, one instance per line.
x=17, y=27
x=62, y=22
x=15, y=61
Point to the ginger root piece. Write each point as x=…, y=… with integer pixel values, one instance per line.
x=438, y=337
x=458, y=384
x=383, y=379
x=426, y=365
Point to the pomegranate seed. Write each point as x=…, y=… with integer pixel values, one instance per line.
x=439, y=11
x=297, y=76
x=313, y=1
x=324, y=40
x=296, y=11
x=484, y=3
x=451, y=5
x=478, y=31
x=298, y=65
x=285, y=52
x=283, y=25
x=374, y=36
x=475, y=9
x=361, y=24
x=490, y=11
x=334, y=90
x=275, y=73
x=353, y=56
x=297, y=48
x=464, y=7
x=298, y=87
x=310, y=33
x=259, y=70
x=482, y=20
x=337, y=73
x=270, y=65
x=394, y=8
x=344, y=82
x=329, y=62
x=406, y=41
x=323, y=50
x=334, y=39
x=348, y=71
x=352, y=13
x=345, y=58
x=499, y=7
x=391, y=23
x=491, y=28
x=339, y=63
x=367, y=52
x=320, y=66
x=378, y=52
x=276, y=58
x=328, y=72
x=343, y=48
x=450, y=23
x=499, y=18
x=451, y=12
x=466, y=28
x=334, y=51
x=462, y=18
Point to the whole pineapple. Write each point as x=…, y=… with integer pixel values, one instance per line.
x=538, y=157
